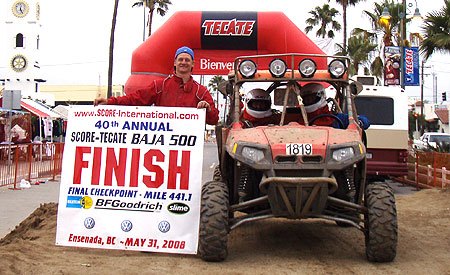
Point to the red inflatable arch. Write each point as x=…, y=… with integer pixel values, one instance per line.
x=217, y=38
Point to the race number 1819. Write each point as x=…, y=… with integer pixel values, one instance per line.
x=299, y=149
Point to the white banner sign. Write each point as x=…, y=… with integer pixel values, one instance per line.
x=131, y=178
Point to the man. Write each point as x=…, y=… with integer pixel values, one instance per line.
x=257, y=108
x=178, y=90
x=314, y=99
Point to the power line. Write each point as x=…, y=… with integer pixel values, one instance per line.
x=440, y=62
x=445, y=72
x=74, y=63
x=65, y=64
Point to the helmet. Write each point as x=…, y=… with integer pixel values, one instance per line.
x=258, y=103
x=313, y=95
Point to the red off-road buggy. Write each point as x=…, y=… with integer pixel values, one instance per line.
x=294, y=169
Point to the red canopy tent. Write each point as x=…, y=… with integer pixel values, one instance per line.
x=37, y=109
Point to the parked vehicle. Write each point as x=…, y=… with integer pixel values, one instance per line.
x=294, y=169
x=432, y=141
x=387, y=138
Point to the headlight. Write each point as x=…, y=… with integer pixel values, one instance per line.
x=343, y=154
x=247, y=68
x=277, y=68
x=307, y=67
x=336, y=68
x=252, y=154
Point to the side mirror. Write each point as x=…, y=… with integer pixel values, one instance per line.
x=356, y=87
x=225, y=88
x=229, y=88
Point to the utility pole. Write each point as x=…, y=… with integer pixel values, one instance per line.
x=422, y=83
x=421, y=88
x=143, y=34
x=434, y=87
x=402, y=44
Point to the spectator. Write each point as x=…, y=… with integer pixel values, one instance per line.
x=178, y=90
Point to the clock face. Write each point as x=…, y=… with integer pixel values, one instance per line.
x=19, y=63
x=20, y=8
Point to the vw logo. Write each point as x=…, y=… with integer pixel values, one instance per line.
x=126, y=225
x=164, y=226
x=89, y=223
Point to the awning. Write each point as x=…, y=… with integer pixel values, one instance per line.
x=38, y=109
x=62, y=110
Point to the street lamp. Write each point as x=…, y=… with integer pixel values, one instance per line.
x=402, y=16
x=417, y=13
x=385, y=21
x=385, y=17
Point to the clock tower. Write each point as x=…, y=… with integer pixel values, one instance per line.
x=22, y=47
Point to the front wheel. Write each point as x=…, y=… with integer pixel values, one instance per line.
x=381, y=223
x=213, y=236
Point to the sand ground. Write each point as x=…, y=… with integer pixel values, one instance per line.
x=274, y=246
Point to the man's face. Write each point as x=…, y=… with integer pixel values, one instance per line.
x=183, y=63
x=310, y=99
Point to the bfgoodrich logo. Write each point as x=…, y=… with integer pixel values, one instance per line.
x=178, y=208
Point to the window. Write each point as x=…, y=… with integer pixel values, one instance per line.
x=367, y=80
x=19, y=40
x=439, y=138
x=379, y=110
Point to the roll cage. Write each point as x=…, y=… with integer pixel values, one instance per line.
x=293, y=79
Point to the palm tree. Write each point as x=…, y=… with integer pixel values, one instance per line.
x=380, y=28
x=437, y=31
x=345, y=4
x=214, y=86
x=323, y=16
x=111, y=49
x=357, y=50
x=161, y=6
x=377, y=67
x=393, y=27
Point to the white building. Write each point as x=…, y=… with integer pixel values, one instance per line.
x=22, y=48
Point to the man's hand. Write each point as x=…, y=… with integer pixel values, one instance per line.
x=100, y=101
x=203, y=104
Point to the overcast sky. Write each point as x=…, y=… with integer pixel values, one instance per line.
x=75, y=35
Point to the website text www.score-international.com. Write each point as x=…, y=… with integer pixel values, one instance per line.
x=136, y=114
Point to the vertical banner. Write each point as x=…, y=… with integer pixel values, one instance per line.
x=391, y=65
x=412, y=66
x=131, y=178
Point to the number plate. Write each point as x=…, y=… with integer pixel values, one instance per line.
x=368, y=155
x=299, y=149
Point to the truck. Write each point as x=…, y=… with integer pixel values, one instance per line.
x=386, y=107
